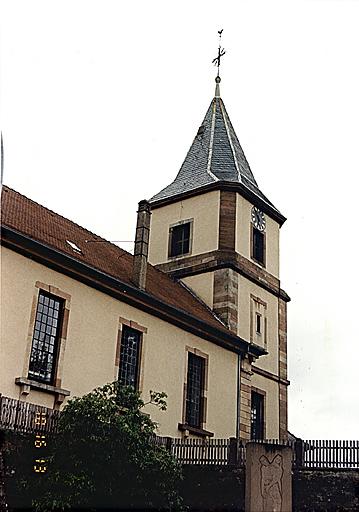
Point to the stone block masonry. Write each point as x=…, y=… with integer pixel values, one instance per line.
x=225, y=297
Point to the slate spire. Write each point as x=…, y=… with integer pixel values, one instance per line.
x=215, y=156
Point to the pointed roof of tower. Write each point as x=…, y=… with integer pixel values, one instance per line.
x=215, y=158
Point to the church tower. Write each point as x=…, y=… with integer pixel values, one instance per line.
x=214, y=229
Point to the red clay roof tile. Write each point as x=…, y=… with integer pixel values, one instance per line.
x=43, y=225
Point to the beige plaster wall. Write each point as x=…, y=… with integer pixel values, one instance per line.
x=203, y=209
x=245, y=290
x=202, y=285
x=271, y=389
x=243, y=236
x=89, y=358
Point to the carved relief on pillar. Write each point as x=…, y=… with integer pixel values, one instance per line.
x=268, y=478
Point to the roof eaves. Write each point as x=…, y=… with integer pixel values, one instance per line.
x=267, y=207
x=143, y=300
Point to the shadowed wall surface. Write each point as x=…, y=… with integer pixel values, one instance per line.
x=217, y=489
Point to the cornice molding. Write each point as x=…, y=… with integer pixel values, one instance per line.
x=214, y=260
x=228, y=186
x=270, y=375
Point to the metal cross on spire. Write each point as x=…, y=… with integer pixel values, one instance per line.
x=221, y=52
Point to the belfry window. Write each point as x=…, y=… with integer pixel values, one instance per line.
x=258, y=242
x=45, y=341
x=180, y=239
x=129, y=357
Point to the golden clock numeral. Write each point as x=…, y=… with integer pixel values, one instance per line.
x=40, y=441
x=40, y=418
x=40, y=467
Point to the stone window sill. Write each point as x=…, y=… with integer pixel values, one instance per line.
x=195, y=430
x=260, y=263
x=27, y=384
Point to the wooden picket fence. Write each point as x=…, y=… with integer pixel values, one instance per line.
x=216, y=452
x=338, y=454
x=24, y=417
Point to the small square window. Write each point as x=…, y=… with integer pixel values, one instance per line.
x=180, y=239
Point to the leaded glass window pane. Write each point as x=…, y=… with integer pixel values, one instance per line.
x=45, y=338
x=129, y=357
x=180, y=239
x=195, y=382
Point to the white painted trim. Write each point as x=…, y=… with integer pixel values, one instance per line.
x=213, y=122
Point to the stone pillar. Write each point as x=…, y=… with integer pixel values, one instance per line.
x=225, y=297
x=139, y=269
x=245, y=398
x=268, y=478
x=282, y=365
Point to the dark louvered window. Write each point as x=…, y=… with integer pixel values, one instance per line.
x=194, y=398
x=180, y=239
x=129, y=357
x=257, y=416
x=258, y=245
x=44, y=350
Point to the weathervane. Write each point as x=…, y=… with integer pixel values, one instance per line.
x=221, y=52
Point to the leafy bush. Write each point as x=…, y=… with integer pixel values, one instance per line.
x=104, y=457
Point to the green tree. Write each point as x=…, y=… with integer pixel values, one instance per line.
x=104, y=457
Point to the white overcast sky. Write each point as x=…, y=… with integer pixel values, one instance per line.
x=101, y=100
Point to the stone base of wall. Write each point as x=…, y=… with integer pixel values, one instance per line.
x=213, y=488
x=222, y=489
x=325, y=491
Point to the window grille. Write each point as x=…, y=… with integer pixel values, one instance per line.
x=180, y=239
x=129, y=357
x=195, y=384
x=46, y=335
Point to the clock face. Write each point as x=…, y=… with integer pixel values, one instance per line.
x=258, y=219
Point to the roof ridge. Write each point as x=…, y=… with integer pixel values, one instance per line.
x=210, y=150
x=225, y=119
x=6, y=187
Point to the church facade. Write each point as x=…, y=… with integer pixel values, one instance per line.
x=197, y=312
